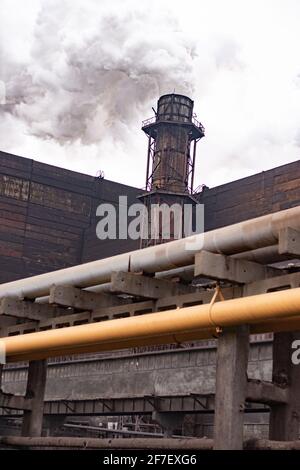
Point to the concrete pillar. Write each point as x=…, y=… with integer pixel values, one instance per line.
x=284, y=419
x=36, y=383
x=231, y=388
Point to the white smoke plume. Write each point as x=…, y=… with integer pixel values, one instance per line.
x=94, y=66
x=79, y=76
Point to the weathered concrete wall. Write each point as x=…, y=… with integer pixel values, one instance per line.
x=175, y=372
x=162, y=373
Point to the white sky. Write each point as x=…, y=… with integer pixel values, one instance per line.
x=81, y=75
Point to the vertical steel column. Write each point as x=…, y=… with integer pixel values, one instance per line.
x=148, y=161
x=284, y=419
x=193, y=165
x=231, y=388
x=36, y=384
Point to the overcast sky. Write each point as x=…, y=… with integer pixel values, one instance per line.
x=80, y=75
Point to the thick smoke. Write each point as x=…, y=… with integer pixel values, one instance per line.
x=94, y=68
x=80, y=76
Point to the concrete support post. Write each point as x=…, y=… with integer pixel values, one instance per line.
x=36, y=383
x=284, y=418
x=231, y=388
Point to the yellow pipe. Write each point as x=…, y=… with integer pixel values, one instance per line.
x=270, y=312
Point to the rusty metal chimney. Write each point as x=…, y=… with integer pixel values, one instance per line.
x=173, y=134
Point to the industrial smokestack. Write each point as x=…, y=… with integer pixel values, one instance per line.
x=171, y=133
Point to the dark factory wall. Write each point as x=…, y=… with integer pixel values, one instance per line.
x=45, y=215
x=93, y=248
x=48, y=214
x=263, y=193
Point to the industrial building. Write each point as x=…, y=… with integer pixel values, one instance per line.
x=217, y=382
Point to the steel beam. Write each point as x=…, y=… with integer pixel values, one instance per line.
x=189, y=404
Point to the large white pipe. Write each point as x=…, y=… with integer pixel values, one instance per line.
x=268, y=254
x=248, y=235
x=265, y=255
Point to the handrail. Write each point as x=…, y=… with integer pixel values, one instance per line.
x=152, y=120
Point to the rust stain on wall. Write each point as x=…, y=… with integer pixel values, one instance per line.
x=49, y=196
x=14, y=187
